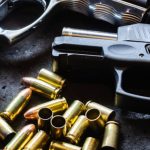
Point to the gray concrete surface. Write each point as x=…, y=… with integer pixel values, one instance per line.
x=31, y=54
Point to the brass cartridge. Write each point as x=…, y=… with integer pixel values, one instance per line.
x=58, y=126
x=17, y=104
x=21, y=138
x=57, y=105
x=44, y=116
x=111, y=136
x=73, y=112
x=95, y=120
x=38, y=141
x=107, y=113
x=41, y=87
x=90, y=144
x=54, y=145
x=77, y=129
x=6, y=131
x=51, y=78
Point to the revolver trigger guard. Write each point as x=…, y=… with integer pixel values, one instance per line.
x=129, y=101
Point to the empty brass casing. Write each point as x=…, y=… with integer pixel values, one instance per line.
x=107, y=114
x=41, y=87
x=17, y=104
x=95, y=120
x=6, y=132
x=56, y=106
x=51, y=78
x=38, y=141
x=77, y=129
x=90, y=144
x=111, y=135
x=73, y=112
x=54, y=145
x=21, y=138
x=58, y=126
x=44, y=117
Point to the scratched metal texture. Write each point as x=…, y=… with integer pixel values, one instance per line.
x=31, y=54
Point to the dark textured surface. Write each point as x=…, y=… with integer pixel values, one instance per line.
x=27, y=57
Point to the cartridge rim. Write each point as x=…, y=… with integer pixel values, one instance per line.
x=45, y=113
x=93, y=114
x=6, y=115
x=58, y=121
x=113, y=122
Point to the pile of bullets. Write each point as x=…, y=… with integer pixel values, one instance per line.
x=61, y=127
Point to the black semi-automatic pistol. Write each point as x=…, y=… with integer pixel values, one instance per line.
x=117, y=12
x=129, y=59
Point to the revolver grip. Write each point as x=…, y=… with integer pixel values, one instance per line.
x=127, y=100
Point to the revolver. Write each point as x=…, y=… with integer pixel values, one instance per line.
x=128, y=59
x=116, y=12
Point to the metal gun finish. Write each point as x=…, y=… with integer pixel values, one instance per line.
x=122, y=57
x=116, y=12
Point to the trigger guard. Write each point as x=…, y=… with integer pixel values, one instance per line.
x=129, y=101
x=11, y=36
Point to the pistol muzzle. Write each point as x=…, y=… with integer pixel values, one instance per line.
x=107, y=113
x=77, y=129
x=51, y=78
x=41, y=87
x=6, y=131
x=44, y=116
x=73, y=112
x=58, y=127
x=38, y=141
x=111, y=135
x=57, y=106
x=17, y=104
x=54, y=145
x=90, y=144
x=21, y=138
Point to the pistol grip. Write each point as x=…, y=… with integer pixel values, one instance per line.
x=127, y=100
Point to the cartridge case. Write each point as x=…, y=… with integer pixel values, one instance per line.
x=107, y=113
x=44, y=116
x=38, y=141
x=90, y=144
x=54, y=145
x=56, y=106
x=21, y=138
x=94, y=117
x=41, y=87
x=51, y=78
x=17, y=104
x=77, y=129
x=58, y=127
x=6, y=131
x=73, y=112
x=111, y=136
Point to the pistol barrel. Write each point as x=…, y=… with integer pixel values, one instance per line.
x=89, y=34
